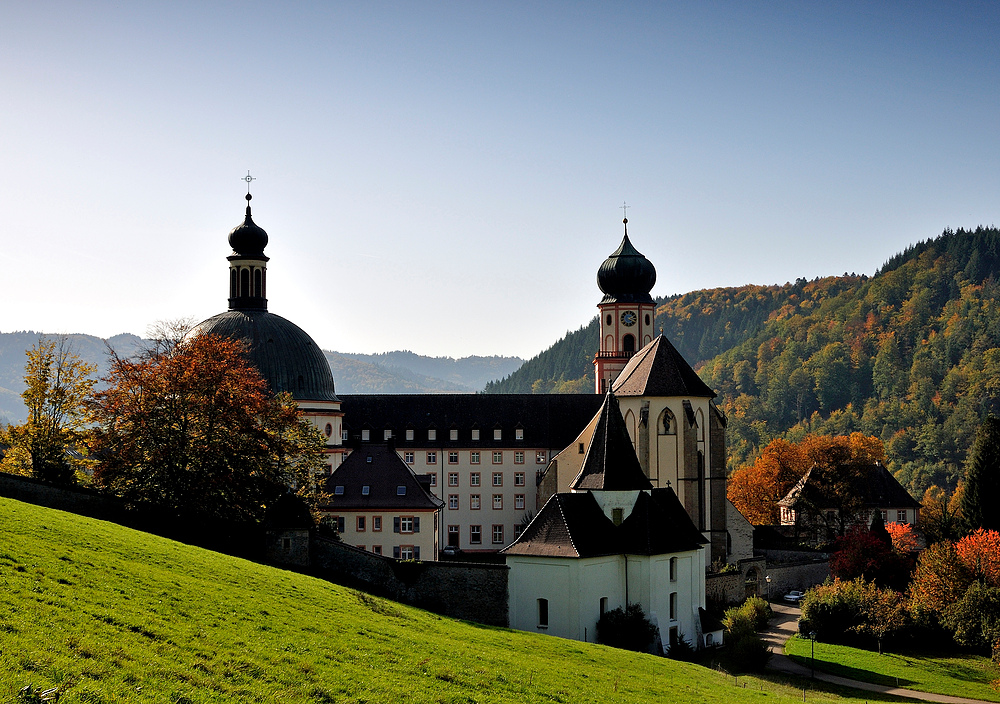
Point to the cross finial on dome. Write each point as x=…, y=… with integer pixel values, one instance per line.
x=625, y=208
x=248, y=178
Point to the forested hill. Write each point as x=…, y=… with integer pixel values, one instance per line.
x=911, y=354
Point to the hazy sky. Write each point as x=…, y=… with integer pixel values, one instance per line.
x=446, y=177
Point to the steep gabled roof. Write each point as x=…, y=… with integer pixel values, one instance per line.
x=574, y=525
x=610, y=463
x=379, y=468
x=658, y=369
x=878, y=488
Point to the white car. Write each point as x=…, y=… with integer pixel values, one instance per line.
x=793, y=597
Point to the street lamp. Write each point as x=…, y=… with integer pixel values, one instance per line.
x=768, y=580
x=812, y=648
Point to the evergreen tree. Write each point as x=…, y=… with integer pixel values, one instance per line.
x=982, y=478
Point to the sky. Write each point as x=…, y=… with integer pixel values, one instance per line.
x=447, y=177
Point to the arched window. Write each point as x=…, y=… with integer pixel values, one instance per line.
x=647, y=319
x=233, y=282
x=700, y=419
x=543, y=613
x=609, y=319
x=244, y=282
x=667, y=425
x=257, y=283
x=628, y=343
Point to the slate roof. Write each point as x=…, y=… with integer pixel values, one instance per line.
x=610, y=463
x=549, y=421
x=573, y=525
x=880, y=489
x=658, y=369
x=380, y=469
x=284, y=354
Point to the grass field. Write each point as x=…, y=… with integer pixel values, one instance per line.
x=957, y=675
x=112, y=615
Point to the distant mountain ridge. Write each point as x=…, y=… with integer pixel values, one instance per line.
x=399, y=372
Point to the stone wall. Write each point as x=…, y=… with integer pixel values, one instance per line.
x=474, y=592
x=802, y=575
x=723, y=590
x=85, y=502
x=244, y=540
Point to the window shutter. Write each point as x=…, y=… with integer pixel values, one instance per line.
x=416, y=524
x=416, y=552
x=395, y=528
x=395, y=550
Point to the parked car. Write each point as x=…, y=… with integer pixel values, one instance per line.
x=450, y=550
x=793, y=597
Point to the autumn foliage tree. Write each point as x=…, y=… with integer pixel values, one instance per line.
x=191, y=425
x=57, y=384
x=756, y=489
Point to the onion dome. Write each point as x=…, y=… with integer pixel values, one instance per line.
x=248, y=239
x=626, y=276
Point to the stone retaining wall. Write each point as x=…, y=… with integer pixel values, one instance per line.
x=470, y=591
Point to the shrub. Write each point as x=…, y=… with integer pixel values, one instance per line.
x=833, y=609
x=682, y=650
x=626, y=628
x=975, y=619
x=745, y=648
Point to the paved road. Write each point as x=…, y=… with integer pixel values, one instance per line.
x=785, y=624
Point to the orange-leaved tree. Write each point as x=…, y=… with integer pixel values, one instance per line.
x=904, y=540
x=191, y=425
x=980, y=554
x=756, y=489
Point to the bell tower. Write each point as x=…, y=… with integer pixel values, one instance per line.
x=626, y=278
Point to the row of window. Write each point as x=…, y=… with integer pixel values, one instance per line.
x=453, y=434
x=476, y=534
x=475, y=479
x=431, y=457
x=475, y=502
x=400, y=524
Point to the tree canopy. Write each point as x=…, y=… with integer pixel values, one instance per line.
x=981, y=490
x=191, y=425
x=57, y=385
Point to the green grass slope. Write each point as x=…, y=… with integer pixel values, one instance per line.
x=112, y=615
x=955, y=674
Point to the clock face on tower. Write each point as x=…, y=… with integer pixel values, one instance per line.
x=628, y=318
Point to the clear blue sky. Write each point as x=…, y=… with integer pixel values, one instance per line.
x=446, y=177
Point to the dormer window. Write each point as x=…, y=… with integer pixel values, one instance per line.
x=453, y=434
x=366, y=490
x=387, y=434
x=338, y=490
x=401, y=490
x=475, y=433
x=366, y=435
x=519, y=433
x=497, y=434
x=409, y=434
x=368, y=459
x=432, y=434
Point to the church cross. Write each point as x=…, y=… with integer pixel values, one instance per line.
x=248, y=178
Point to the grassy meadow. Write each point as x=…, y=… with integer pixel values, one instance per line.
x=109, y=614
x=960, y=675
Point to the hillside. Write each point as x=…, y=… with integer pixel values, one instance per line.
x=108, y=614
x=911, y=355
